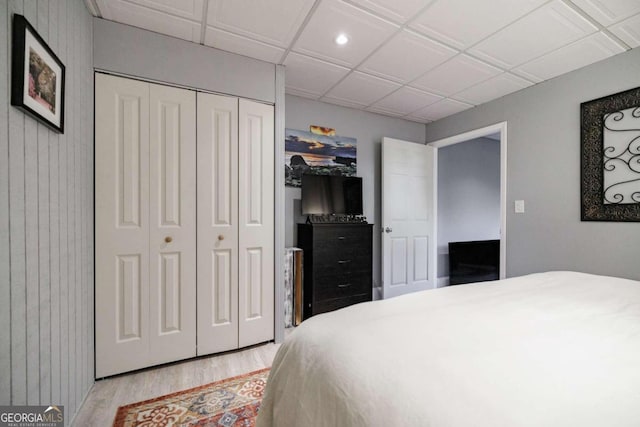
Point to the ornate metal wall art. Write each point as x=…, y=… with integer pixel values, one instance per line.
x=610, y=155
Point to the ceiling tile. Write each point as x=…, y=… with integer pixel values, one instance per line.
x=405, y=100
x=292, y=91
x=462, y=23
x=365, y=31
x=609, y=12
x=241, y=45
x=628, y=31
x=384, y=112
x=441, y=109
x=362, y=89
x=417, y=119
x=189, y=9
x=406, y=56
x=397, y=11
x=342, y=102
x=275, y=21
x=546, y=29
x=576, y=55
x=455, y=75
x=310, y=75
x=150, y=19
x=492, y=89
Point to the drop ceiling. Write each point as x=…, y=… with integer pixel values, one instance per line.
x=417, y=59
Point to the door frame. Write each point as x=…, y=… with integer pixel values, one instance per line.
x=501, y=129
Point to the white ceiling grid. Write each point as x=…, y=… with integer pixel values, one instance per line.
x=417, y=59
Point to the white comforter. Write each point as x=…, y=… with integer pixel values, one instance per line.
x=549, y=349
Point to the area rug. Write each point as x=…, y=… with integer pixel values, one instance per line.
x=232, y=402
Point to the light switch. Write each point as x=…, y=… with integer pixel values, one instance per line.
x=519, y=206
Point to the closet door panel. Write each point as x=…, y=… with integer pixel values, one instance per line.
x=256, y=222
x=172, y=207
x=217, y=240
x=121, y=224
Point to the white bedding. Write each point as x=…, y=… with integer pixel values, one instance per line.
x=548, y=349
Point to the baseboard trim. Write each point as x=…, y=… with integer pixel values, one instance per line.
x=82, y=402
x=442, y=281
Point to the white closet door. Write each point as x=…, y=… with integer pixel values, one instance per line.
x=256, y=222
x=217, y=167
x=122, y=226
x=172, y=237
x=145, y=192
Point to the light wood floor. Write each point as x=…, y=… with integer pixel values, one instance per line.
x=99, y=409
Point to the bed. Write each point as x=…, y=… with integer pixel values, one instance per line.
x=547, y=349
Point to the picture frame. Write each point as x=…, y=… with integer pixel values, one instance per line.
x=38, y=76
x=610, y=157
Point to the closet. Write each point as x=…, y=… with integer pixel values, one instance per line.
x=184, y=223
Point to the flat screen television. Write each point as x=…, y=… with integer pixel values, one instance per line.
x=476, y=261
x=328, y=194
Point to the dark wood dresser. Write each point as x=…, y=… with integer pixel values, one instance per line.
x=337, y=265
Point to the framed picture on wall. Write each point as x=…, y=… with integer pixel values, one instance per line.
x=610, y=180
x=318, y=154
x=37, y=80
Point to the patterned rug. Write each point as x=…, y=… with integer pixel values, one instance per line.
x=232, y=402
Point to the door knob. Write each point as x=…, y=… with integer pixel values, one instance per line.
x=388, y=230
x=168, y=239
x=220, y=237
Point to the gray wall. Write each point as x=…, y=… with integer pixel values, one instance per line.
x=468, y=195
x=132, y=51
x=368, y=129
x=543, y=168
x=46, y=222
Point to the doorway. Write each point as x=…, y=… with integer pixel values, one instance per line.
x=491, y=219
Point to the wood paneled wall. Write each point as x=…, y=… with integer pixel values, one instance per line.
x=46, y=222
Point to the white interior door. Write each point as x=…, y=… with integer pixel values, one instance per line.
x=172, y=224
x=408, y=245
x=256, y=222
x=217, y=166
x=145, y=285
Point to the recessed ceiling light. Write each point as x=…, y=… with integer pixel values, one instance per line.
x=342, y=39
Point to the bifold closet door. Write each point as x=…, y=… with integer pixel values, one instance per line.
x=172, y=224
x=145, y=224
x=217, y=166
x=235, y=223
x=256, y=222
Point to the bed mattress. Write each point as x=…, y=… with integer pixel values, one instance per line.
x=548, y=349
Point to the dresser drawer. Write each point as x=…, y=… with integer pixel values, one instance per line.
x=334, y=304
x=341, y=237
x=342, y=262
x=339, y=286
x=340, y=232
x=342, y=245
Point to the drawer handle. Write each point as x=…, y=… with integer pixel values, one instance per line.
x=344, y=261
x=341, y=237
x=344, y=285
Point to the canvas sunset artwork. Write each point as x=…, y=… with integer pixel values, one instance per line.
x=307, y=152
